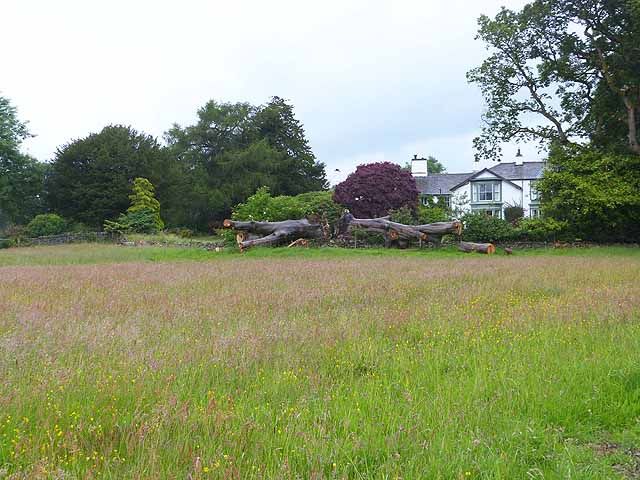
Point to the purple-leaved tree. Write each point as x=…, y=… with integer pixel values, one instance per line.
x=375, y=188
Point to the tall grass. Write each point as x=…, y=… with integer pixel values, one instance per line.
x=320, y=366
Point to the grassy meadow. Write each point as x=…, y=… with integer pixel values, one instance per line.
x=157, y=363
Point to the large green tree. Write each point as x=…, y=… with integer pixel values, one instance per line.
x=91, y=178
x=21, y=176
x=235, y=148
x=561, y=71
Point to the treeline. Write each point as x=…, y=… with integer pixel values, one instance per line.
x=199, y=172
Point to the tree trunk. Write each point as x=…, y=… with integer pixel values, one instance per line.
x=392, y=231
x=467, y=247
x=634, y=145
x=252, y=234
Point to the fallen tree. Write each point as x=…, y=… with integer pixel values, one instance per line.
x=251, y=234
x=392, y=231
x=468, y=247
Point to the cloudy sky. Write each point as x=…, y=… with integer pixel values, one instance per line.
x=370, y=80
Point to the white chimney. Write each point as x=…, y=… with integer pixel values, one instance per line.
x=419, y=167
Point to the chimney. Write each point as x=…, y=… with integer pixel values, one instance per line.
x=518, y=158
x=419, y=167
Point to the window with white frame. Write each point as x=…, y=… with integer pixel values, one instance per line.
x=485, y=192
x=534, y=212
x=491, y=212
x=534, y=196
x=444, y=201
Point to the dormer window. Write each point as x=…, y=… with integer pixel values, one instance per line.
x=485, y=192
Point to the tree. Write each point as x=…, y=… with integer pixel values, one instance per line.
x=375, y=189
x=235, y=148
x=143, y=216
x=559, y=72
x=91, y=178
x=595, y=192
x=434, y=166
x=21, y=176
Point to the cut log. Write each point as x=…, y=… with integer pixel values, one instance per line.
x=393, y=231
x=253, y=234
x=508, y=251
x=467, y=247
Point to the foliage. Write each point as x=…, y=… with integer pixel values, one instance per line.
x=143, y=216
x=513, y=213
x=480, y=227
x=561, y=71
x=403, y=215
x=46, y=224
x=542, y=229
x=141, y=221
x=233, y=150
x=143, y=198
x=261, y=206
x=21, y=177
x=421, y=215
x=91, y=178
x=6, y=243
x=597, y=193
x=434, y=166
x=375, y=189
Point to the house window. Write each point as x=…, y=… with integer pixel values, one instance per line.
x=534, y=196
x=445, y=200
x=485, y=191
x=534, y=212
x=491, y=212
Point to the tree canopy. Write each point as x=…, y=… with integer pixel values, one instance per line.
x=236, y=148
x=21, y=176
x=375, y=189
x=91, y=178
x=561, y=71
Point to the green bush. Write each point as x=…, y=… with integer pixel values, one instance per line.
x=421, y=215
x=46, y=224
x=140, y=221
x=513, y=213
x=431, y=214
x=542, y=230
x=261, y=206
x=479, y=227
x=6, y=243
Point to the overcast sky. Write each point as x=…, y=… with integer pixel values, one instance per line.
x=370, y=80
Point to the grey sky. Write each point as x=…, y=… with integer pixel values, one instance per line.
x=370, y=80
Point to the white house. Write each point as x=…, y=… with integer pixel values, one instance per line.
x=489, y=190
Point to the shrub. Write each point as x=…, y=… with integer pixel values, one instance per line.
x=143, y=216
x=46, y=224
x=261, y=206
x=542, y=230
x=431, y=214
x=403, y=215
x=479, y=227
x=140, y=221
x=6, y=243
x=513, y=213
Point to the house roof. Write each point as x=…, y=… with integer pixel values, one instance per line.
x=440, y=183
x=443, y=183
x=477, y=174
x=523, y=171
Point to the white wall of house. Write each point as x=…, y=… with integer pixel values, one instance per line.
x=510, y=195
